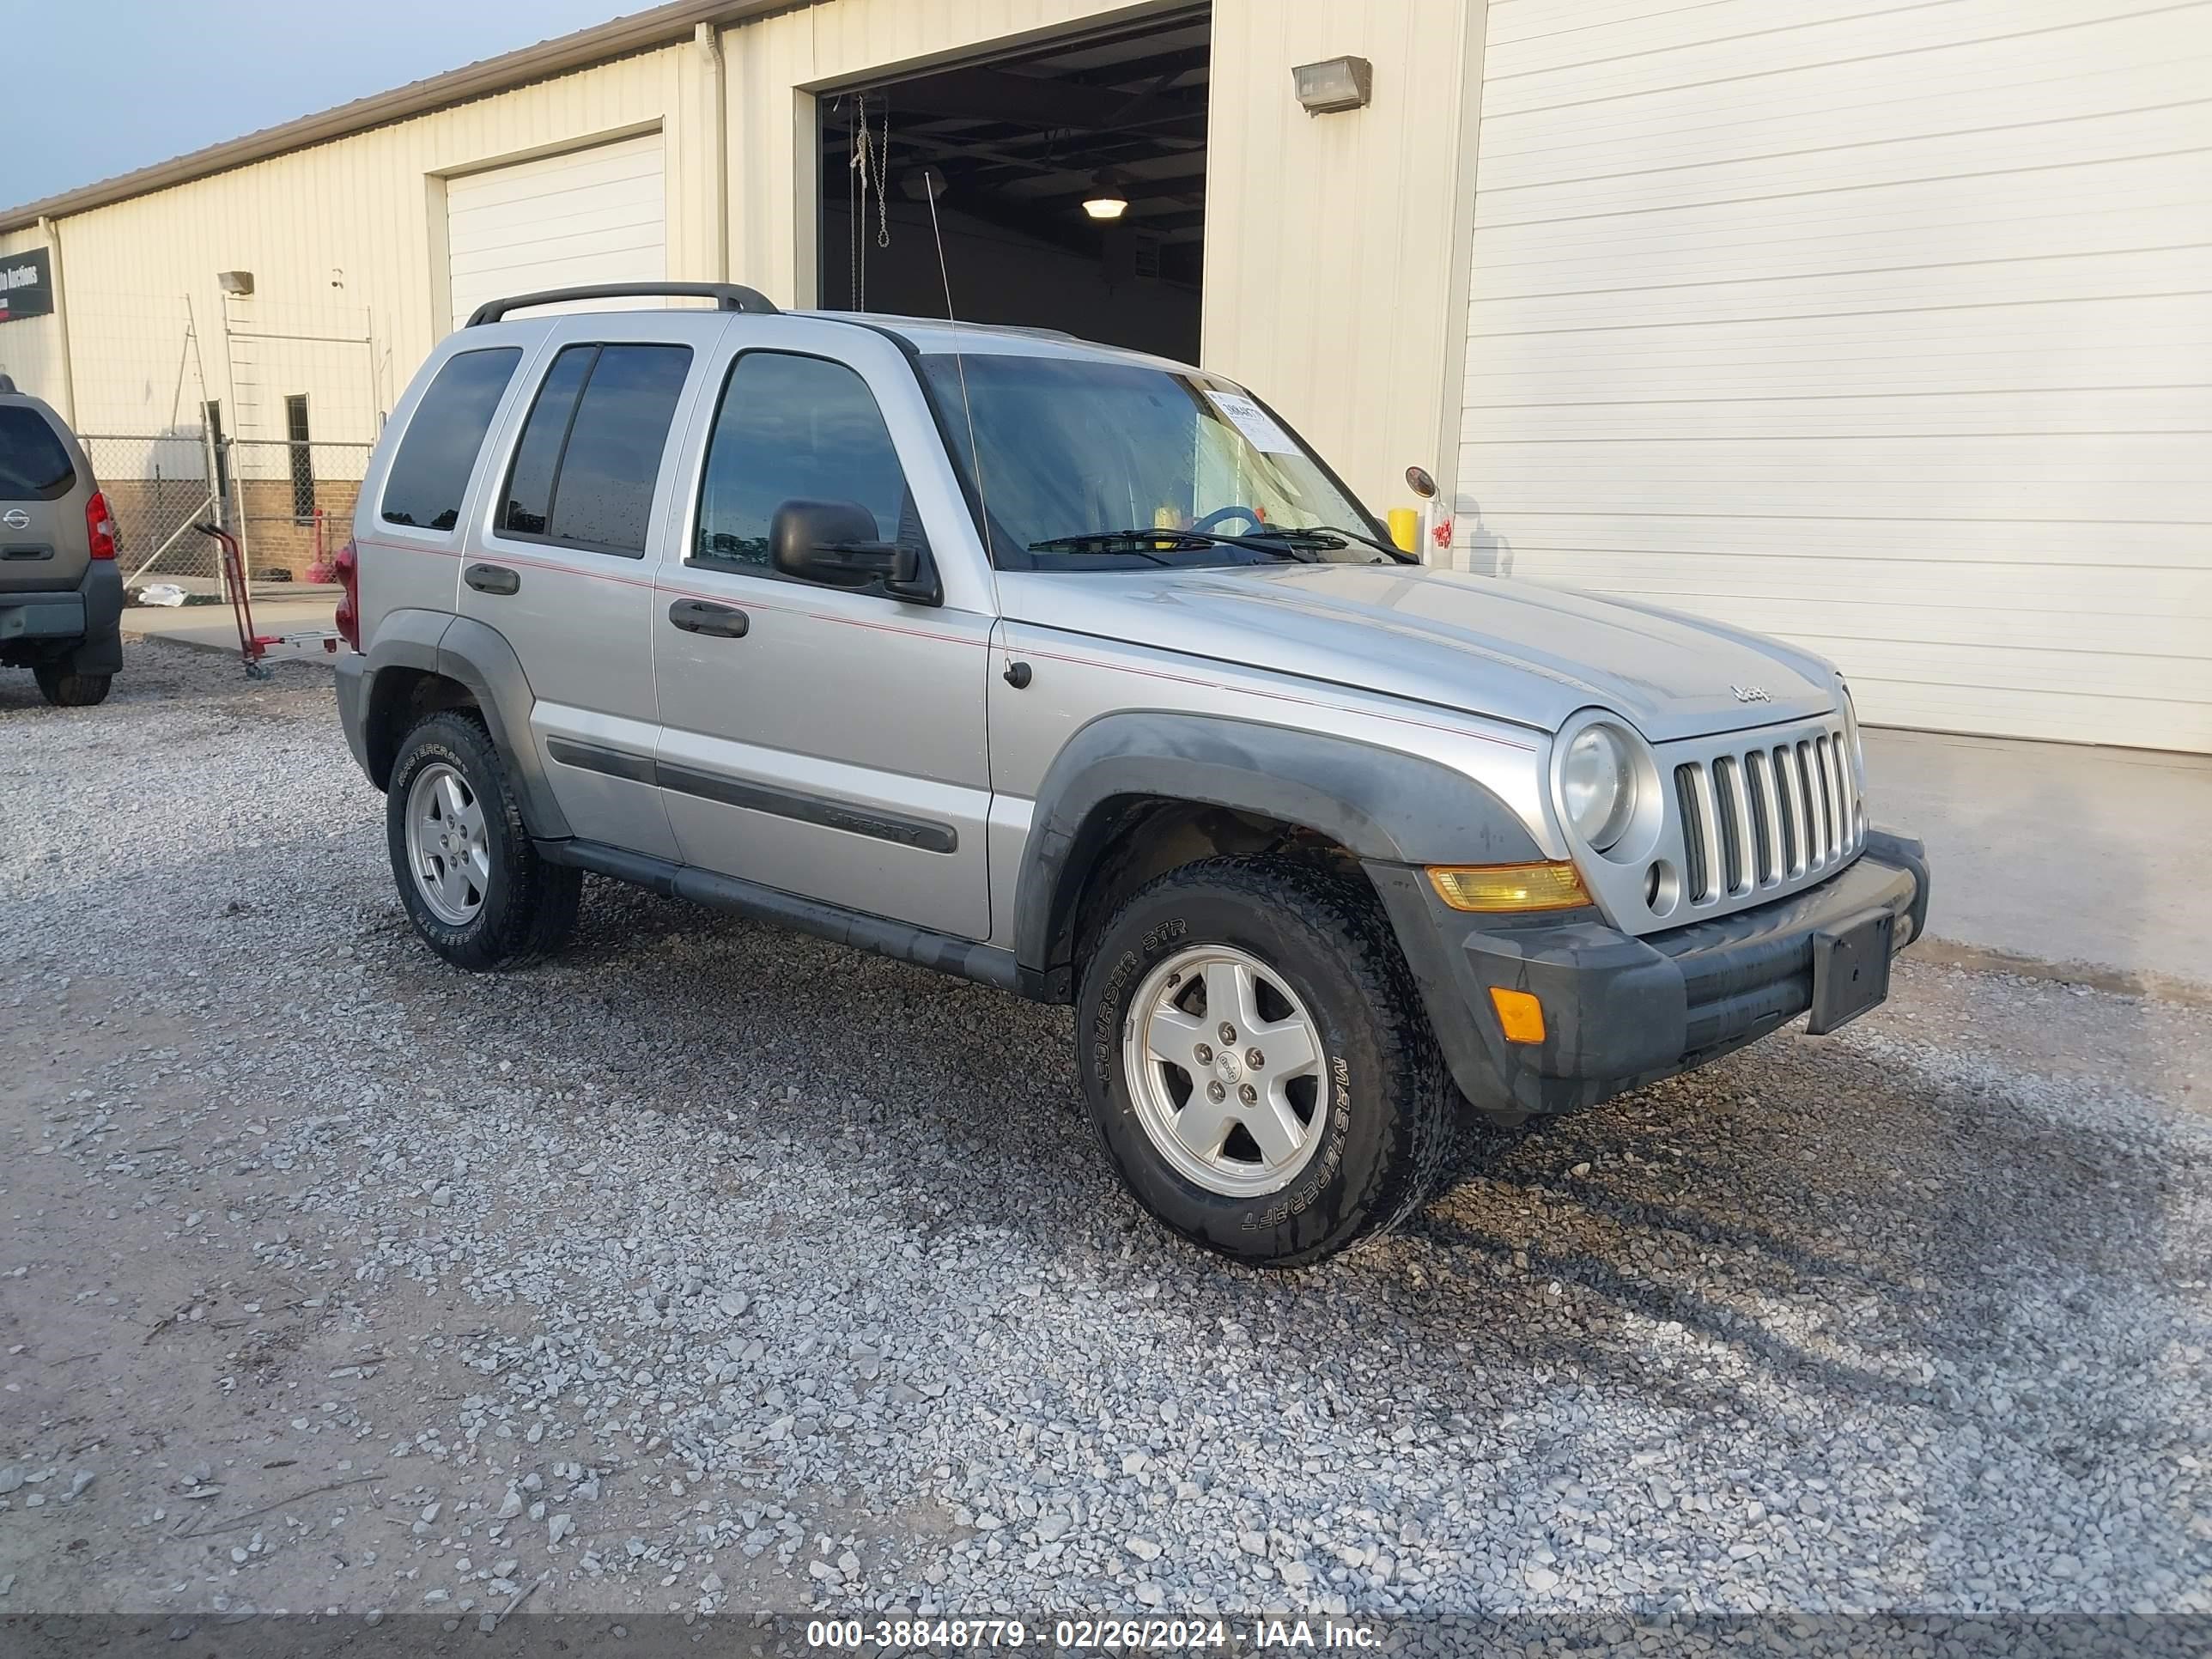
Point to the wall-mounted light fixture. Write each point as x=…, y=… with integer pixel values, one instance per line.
x=235, y=281
x=1337, y=83
x=1107, y=196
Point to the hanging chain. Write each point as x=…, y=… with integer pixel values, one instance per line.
x=872, y=164
x=866, y=170
x=882, y=172
x=853, y=278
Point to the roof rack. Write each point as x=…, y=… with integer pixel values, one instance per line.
x=728, y=296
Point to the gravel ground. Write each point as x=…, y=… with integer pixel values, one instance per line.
x=709, y=1267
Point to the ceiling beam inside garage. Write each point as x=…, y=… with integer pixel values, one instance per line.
x=1172, y=175
x=992, y=94
x=1169, y=207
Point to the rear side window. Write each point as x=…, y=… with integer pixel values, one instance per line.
x=430, y=473
x=34, y=465
x=584, y=472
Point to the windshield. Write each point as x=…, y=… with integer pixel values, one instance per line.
x=1075, y=448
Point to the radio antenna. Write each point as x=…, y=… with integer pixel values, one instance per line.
x=933, y=184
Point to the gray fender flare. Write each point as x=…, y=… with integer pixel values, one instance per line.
x=477, y=656
x=1382, y=805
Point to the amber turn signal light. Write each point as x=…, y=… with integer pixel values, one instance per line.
x=1519, y=1014
x=1508, y=887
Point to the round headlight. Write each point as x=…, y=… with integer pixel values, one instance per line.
x=1597, y=786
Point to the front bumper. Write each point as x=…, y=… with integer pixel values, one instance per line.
x=1621, y=1012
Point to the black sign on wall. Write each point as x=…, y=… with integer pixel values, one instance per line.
x=27, y=285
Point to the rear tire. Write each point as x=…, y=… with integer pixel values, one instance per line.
x=1223, y=959
x=66, y=689
x=472, y=879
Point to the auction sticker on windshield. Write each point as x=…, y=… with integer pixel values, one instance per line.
x=1254, y=422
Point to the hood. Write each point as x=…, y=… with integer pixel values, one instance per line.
x=1484, y=645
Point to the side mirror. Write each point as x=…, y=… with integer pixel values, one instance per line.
x=835, y=543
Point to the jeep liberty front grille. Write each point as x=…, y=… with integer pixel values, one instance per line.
x=1745, y=817
x=1767, y=817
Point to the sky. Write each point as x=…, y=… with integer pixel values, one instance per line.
x=96, y=88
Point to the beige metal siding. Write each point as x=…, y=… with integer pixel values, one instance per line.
x=1329, y=238
x=343, y=238
x=1880, y=329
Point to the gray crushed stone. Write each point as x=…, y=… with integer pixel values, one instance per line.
x=782, y=1276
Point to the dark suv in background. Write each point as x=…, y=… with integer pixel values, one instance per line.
x=61, y=595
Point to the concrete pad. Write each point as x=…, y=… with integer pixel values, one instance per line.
x=213, y=628
x=2057, y=852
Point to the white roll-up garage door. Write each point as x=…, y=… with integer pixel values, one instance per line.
x=587, y=215
x=1886, y=328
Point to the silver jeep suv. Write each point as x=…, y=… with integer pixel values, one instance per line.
x=1076, y=673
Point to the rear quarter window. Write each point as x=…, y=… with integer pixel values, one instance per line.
x=34, y=466
x=430, y=473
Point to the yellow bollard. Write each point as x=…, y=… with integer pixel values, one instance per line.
x=1405, y=528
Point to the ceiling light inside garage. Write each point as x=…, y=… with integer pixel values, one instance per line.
x=1109, y=196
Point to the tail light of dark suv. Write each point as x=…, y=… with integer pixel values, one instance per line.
x=347, y=564
x=100, y=527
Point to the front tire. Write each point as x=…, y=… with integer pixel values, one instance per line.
x=469, y=875
x=66, y=689
x=1256, y=1061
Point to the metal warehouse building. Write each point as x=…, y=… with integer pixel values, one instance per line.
x=1884, y=327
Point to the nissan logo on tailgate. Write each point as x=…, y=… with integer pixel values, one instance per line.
x=16, y=518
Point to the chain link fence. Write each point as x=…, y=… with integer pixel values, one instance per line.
x=254, y=413
x=157, y=489
x=289, y=502
x=292, y=504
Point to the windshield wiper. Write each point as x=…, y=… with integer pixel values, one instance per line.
x=1150, y=543
x=1122, y=541
x=1331, y=535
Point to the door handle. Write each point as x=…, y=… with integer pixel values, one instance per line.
x=491, y=579
x=724, y=621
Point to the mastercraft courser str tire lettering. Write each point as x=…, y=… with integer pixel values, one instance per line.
x=1256, y=1062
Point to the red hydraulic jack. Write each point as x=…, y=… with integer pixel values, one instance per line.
x=253, y=647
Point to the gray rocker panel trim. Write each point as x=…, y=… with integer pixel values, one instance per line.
x=1380, y=803
x=970, y=959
